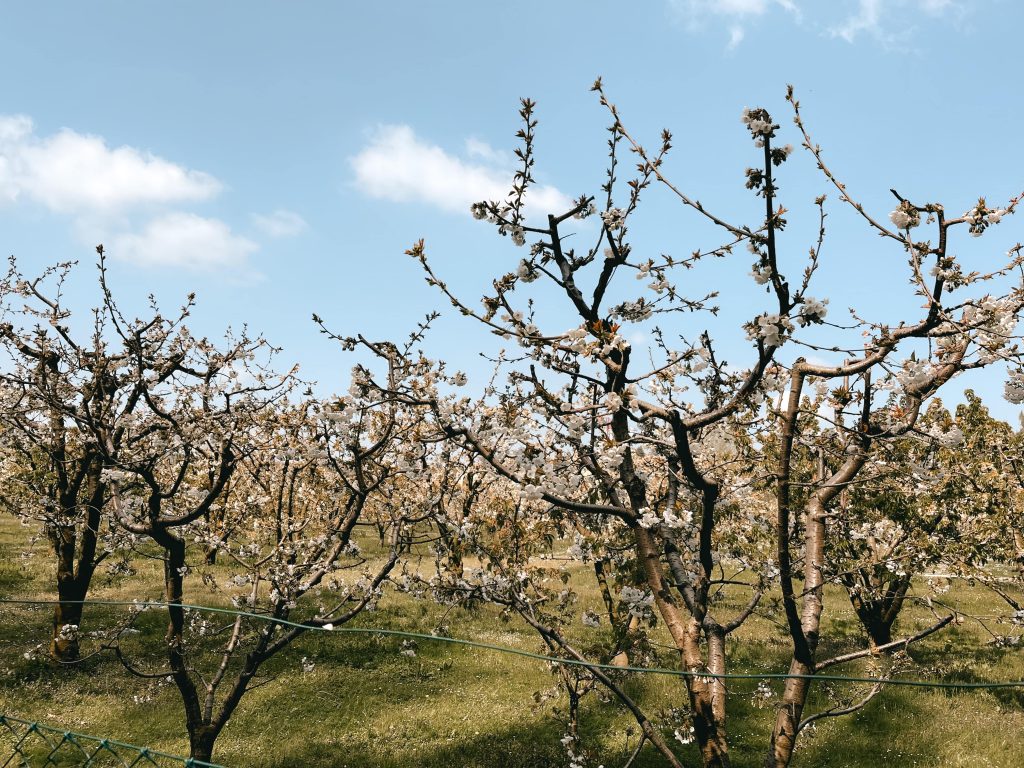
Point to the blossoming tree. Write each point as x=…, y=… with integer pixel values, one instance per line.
x=58, y=380
x=656, y=443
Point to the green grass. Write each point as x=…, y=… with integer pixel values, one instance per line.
x=364, y=704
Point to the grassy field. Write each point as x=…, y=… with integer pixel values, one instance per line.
x=365, y=704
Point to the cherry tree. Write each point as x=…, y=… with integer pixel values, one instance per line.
x=660, y=446
x=60, y=378
x=935, y=499
x=571, y=380
x=969, y=322
x=305, y=476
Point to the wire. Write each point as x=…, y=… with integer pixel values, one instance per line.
x=530, y=654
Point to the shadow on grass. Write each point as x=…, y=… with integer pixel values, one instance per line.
x=529, y=743
x=880, y=734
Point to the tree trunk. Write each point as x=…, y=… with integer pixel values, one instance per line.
x=73, y=579
x=707, y=700
x=707, y=696
x=64, y=645
x=210, y=556
x=877, y=626
x=794, y=697
x=201, y=744
x=201, y=736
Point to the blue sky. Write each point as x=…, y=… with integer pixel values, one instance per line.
x=278, y=158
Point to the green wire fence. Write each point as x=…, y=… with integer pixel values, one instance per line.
x=34, y=745
x=569, y=662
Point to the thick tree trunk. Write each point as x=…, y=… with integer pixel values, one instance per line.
x=876, y=624
x=794, y=696
x=201, y=736
x=73, y=579
x=67, y=619
x=707, y=695
x=201, y=744
x=880, y=609
x=780, y=751
x=707, y=699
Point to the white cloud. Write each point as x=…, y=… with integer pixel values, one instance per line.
x=280, y=223
x=695, y=13
x=936, y=6
x=864, y=20
x=74, y=172
x=876, y=18
x=483, y=150
x=887, y=21
x=398, y=166
x=184, y=240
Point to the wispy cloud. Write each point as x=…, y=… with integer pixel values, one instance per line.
x=736, y=35
x=184, y=240
x=396, y=165
x=696, y=14
x=279, y=223
x=866, y=19
x=74, y=172
x=888, y=21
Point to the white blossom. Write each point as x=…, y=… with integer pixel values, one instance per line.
x=613, y=218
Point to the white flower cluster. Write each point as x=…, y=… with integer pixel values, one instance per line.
x=812, y=311
x=648, y=519
x=774, y=380
x=110, y=475
x=995, y=320
x=763, y=695
x=980, y=217
x=673, y=522
x=526, y=272
x=612, y=401
x=576, y=340
x=761, y=272
x=611, y=458
x=947, y=439
x=687, y=736
x=756, y=120
x=613, y=218
x=771, y=329
x=635, y=311
x=906, y=216
x=877, y=530
x=583, y=213
x=580, y=549
x=1013, y=389
x=617, y=342
x=915, y=374
x=484, y=210
x=638, y=602
x=531, y=492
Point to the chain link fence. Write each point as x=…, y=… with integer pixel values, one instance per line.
x=26, y=744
